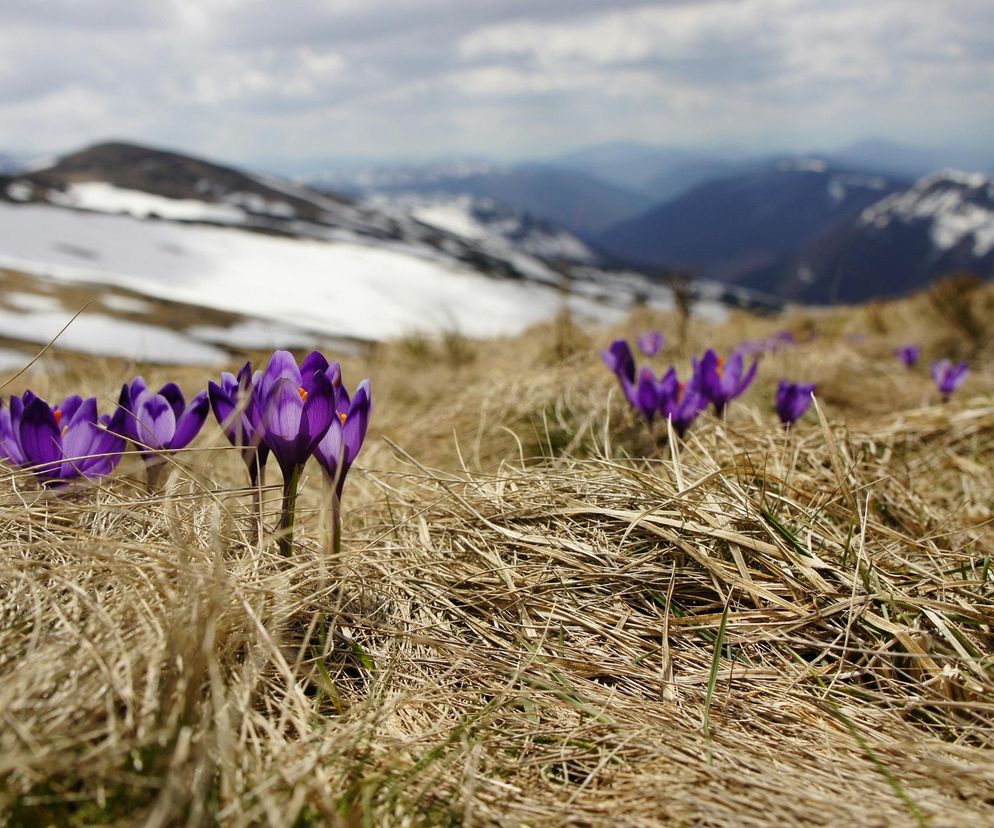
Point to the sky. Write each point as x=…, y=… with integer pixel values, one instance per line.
x=294, y=84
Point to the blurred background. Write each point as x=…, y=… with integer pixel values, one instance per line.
x=204, y=177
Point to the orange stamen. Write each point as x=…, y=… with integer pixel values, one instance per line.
x=302, y=392
x=721, y=365
x=341, y=417
x=58, y=416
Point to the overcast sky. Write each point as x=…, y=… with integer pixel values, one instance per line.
x=291, y=82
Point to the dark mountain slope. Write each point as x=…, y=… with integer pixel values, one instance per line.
x=732, y=226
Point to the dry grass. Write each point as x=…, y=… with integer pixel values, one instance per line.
x=536, y=617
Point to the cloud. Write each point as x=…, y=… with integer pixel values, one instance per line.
x=249, y=79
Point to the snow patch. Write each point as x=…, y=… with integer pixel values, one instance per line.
x=11, y=359
x=453, y=217
x=253, y=334
x=255, y=203
x=20, y=191
x=102, y=197
x=97, y=333
x=950, y=201
x=125, y=304
x=32, y=302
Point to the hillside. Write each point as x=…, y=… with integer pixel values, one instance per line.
x=535, y=610
x=942, y=224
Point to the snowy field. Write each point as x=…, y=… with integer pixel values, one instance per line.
x=342, y=289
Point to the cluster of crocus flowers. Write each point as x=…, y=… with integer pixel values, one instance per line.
x=287, y=411
x=60, y=443
x=947, y=377
x=292, y=412
x=711, y=383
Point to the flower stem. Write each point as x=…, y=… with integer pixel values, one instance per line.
x=290, y=485
x=153, y=475
x=336, y=523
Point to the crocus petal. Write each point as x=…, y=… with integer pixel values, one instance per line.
x=156, y=420
x=137, y=387
x=669, y=386
x=315, y=361
x=223, y=404
x=284, y=408
x=190, y=421
x=357, y=421
x=174, y=397
x=10, y=448
x=618, y=358
x=281, y=365
x=281, y=422
x=39, y=438
x=647, y=395
x=330, y=451
x=78, y=439
x=342, y=401
x=746, y=381
x=69, y=406
x=319, y=409
x=940, y=369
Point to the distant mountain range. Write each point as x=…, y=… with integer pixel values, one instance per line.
x=769, y=223
x=805, y=228
x=574, y=201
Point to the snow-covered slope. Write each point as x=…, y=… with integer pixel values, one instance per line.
x=158, y=184
x=484, y=221
x=955, y=207
x=342, y=288
x=942, y=224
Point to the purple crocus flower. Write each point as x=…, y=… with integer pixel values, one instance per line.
x=618, y=358
x=161, y=421
x=238, y=413
x=651, y=343
x=644, y=396
x=793, y=399
x=62, y=443
x=295, y=406
x=722, y=383
x=345, y=435
x=682, y=404
x=909, y=355
x=947, y=378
